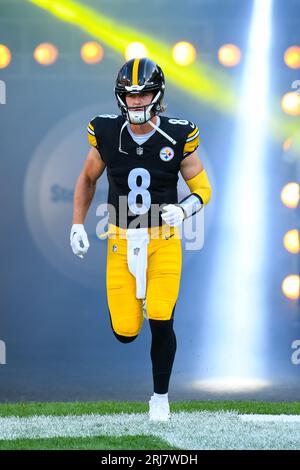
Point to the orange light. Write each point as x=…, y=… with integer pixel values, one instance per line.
x=291, y=241
x=287, y=144
x=292, y=57
x=184, y=53
x=291, y=286
x=91, y=52
x=290, y=103
x=229, y=55
x=290, y=195
x=5, y=56
x=45, y=54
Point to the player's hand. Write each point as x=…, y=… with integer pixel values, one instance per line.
x=172, y=215
x=79, y=240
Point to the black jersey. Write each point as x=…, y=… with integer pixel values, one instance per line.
x=144, y=177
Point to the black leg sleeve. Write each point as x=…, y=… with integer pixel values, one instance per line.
x=163, y=349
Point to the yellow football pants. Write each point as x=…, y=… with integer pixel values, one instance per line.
x=163, y=279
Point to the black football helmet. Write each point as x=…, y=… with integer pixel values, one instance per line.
x=138, y=76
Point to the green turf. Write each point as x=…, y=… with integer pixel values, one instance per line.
x=104, y=407
x=124, y=442
x=88, y=443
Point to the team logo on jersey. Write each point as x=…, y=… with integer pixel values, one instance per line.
x=166, y=154
x=139, y=150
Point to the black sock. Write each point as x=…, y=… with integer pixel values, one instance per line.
x=163, y=349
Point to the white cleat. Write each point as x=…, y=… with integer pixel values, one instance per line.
x=159, y=410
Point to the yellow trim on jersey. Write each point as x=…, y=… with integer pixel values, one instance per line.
x=91, y=129
x=193, y=132
x=92, y=140
x=200, y=185
x=191, y=146
x=135, y=69
x=91, y=135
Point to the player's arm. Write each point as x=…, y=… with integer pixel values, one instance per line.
x=86, y=185
x=83, y=196
x=197, y=180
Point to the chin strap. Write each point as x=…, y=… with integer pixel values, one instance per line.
x=120, y=138
x=158, y=129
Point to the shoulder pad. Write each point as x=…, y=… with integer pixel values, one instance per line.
x=97, y=125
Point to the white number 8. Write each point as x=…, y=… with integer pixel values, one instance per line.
x=183, y=122
x=110, y=116
x=142, y=190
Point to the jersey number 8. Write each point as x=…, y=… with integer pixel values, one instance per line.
x=183, y=122
x=141, y=190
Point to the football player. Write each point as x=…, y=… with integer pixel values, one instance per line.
x=142, y=152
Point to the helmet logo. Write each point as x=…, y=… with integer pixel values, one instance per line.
x=135, y=88
x=166, y=154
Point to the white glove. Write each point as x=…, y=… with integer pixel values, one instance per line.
x=173, y=215
x=78, y=237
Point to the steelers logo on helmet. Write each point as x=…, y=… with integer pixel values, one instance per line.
x=140, y=76
x=166, y=154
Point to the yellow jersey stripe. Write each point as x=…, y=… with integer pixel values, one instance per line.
x=92, y=140
x=191, y=146
x=193, y=132
x=90, y=129
x=193, y=137
x=135, y=69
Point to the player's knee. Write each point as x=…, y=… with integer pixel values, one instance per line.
x=126, y=330
x=125, y=339
x=160, y=310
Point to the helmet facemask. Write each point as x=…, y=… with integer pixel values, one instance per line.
x=139, y=114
